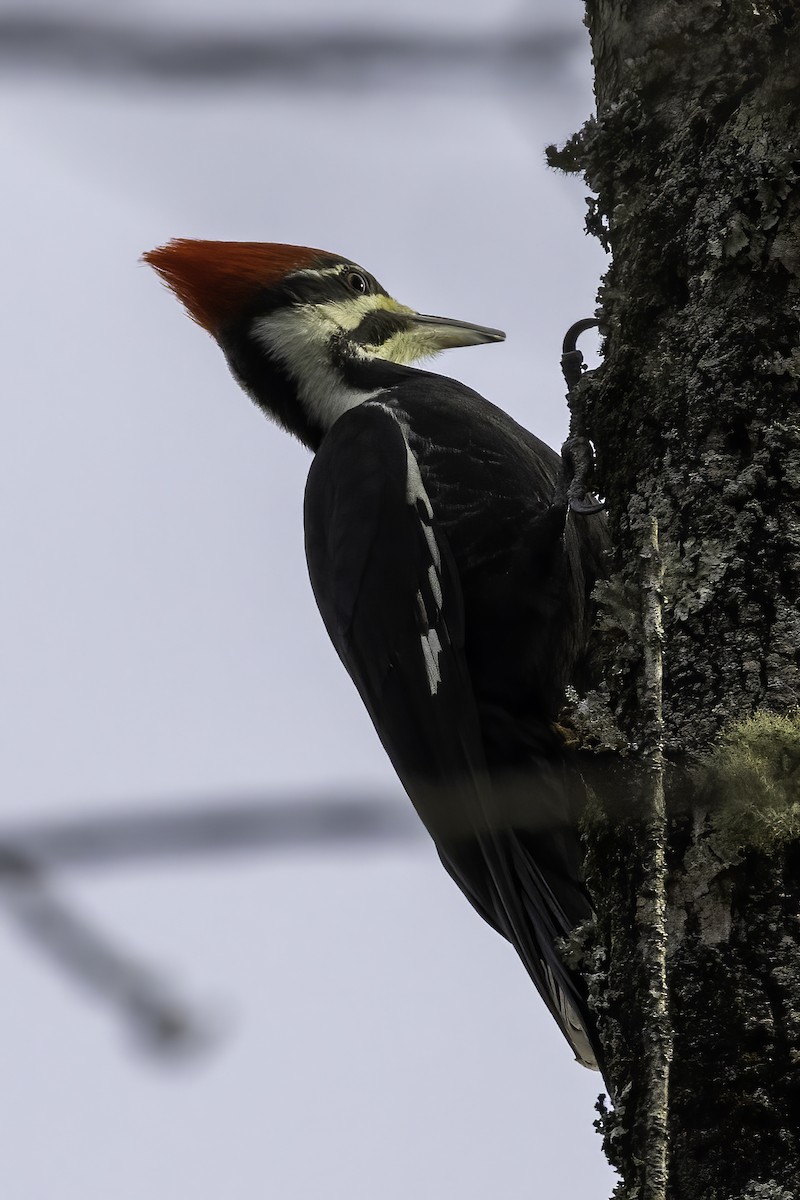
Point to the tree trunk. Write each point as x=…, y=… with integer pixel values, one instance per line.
x=695, y=160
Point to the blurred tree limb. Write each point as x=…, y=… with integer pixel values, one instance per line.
x=343, y=56
x=221, y=824
x=163, y=1022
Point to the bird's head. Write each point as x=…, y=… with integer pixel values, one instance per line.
x=307, y=334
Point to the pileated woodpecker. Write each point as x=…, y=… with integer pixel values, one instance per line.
x=450, y=573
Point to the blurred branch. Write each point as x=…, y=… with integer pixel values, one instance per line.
x=220, y=825
x=161, y=1022
x=344, y=58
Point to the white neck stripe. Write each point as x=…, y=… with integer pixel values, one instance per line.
x=299, y=339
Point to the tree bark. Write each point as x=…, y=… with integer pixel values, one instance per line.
x=695, y=159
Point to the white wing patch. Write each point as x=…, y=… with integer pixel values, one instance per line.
x=428, y=612
x=570, y=1022
x=431, y=649
x=436, y=586
x=430, y=641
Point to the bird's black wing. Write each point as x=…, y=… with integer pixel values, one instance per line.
x=390, y=596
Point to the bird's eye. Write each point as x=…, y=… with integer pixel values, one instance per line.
x=357, y=282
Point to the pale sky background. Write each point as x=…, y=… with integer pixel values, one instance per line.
x=160, y=642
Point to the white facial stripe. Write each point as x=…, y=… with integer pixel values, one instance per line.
x=348, y=314
x=316, y=271
x=299, y=338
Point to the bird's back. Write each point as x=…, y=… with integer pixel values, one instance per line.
x=476, y=750
x=526, y=565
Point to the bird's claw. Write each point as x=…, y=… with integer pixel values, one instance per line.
x=574, y=332
x=576, y=453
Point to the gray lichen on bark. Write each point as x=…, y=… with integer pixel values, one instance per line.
x=652, y=1117
x=694, y=156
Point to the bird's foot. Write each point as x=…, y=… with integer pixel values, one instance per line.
x=577, y=455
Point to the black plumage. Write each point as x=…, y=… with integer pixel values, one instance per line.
x=452, y=578
x=475, y=748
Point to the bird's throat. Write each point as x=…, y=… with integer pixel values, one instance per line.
x=302, y=388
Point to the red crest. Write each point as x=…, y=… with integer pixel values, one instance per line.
x=215, y=280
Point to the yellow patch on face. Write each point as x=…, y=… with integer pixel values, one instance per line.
x=406, y=346
x=348, y=314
